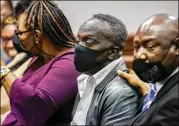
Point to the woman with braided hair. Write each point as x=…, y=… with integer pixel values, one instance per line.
x=46, y=92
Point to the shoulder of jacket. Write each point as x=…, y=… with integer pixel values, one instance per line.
x=120, y=86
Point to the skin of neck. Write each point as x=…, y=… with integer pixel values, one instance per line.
x=51, y=51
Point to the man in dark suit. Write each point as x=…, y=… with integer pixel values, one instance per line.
x=156, y=61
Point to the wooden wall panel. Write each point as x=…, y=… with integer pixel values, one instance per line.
x=128, y=50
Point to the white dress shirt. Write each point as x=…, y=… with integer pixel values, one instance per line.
x=86, y=86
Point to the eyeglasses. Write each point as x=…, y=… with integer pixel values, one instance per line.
x=19, y=34
x=17, y=41
x=6, y=39
x=22, y=32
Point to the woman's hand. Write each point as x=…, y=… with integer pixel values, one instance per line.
x=135, y=81
x=7, y=80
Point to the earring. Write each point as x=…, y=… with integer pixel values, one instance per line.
x=37, y=42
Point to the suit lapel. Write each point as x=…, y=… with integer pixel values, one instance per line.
x=140, y=104
x=167, y=86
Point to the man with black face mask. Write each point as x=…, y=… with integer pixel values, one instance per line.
x=156, y=61
x=103, y=98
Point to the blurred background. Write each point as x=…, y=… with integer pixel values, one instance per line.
x=132, y=13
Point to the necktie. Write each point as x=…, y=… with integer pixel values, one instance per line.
x=149, y=98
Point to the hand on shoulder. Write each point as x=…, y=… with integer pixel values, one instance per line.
x=135, y=81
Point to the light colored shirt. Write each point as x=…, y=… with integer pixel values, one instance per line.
x=86, y=86
x=160, y=84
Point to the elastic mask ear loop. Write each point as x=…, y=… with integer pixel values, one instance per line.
x=22, y=46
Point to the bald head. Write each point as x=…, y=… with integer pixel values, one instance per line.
x=159, y=19
x=160, y=25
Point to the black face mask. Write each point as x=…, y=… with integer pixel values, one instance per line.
x=18, y=45
x=150, y=72
x=85, y=58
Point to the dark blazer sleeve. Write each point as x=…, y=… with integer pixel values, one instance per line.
x=168, y=114
x=120, y=105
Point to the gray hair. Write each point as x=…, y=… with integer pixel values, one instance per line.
x=117, y=32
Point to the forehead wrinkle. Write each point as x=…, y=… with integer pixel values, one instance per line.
x=97, y=30
x=94, y=25
x=87, y=29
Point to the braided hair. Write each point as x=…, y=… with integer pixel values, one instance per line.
x=51, y=21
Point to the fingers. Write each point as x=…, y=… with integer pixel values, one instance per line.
x=134, y=80
x=131, y=77
x=130, y=71
x=123, y=74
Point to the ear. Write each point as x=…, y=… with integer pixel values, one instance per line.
x=38, y=35
x=114, y=53
x=177, y=52
x=176, y=43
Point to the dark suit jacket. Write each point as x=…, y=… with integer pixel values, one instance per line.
x=164, y=110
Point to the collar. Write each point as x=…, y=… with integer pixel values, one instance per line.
x=82, y=81
x=160, y=84
x=113, y=73
x=70, y=50
x=100, y=75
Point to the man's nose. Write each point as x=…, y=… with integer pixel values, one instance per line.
x=141, y=54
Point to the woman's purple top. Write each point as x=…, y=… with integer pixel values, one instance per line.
x=45, y=96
